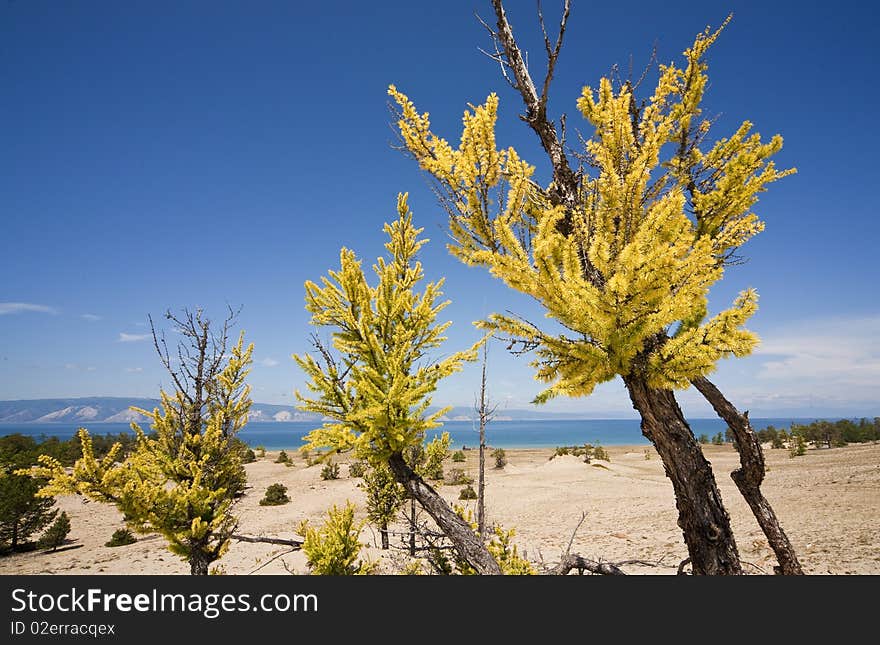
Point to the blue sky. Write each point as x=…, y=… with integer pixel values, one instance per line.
x=167, y=154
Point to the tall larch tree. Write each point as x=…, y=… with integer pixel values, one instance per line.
x=374, y=384
x=621, y=251
x=183, y=480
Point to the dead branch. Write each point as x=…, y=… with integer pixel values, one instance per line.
x=574, y=532
x=573, y=561
x=272, y=559
x=296, y=543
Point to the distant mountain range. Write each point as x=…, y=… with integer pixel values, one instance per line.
x=105, y=409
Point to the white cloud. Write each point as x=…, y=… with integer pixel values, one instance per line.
x=269, y=362
x=834, y=351
x=70, y=366
x=90, y=317
x=132, y=338
x=91, y=368
x=134, y=370
x=20, y=307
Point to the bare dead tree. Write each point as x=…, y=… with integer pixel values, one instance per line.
x=485, y=411
x=196, y=363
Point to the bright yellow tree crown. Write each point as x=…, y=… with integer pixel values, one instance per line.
x=626, y=270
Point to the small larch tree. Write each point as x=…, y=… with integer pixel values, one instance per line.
x=384, y=498
x=183, y=480
x=621, y=251
x=374, y=384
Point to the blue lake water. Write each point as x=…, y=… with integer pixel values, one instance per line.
x=499, y=434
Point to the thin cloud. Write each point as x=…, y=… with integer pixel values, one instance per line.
x=132, y=338
x=90, y=317
x=269, y=362
x=835, y=351
x=21, y=307
x=134, y=370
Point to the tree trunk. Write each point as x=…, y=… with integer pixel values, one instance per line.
x=383, y=531
x=702, y=517
x=14, y=535
x=412, y=526
x=749, y=476
x=198, y=562
x=481, y=483
x=468, y=544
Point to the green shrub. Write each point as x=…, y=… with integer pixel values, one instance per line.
x=601, y=454
x=458, y=477
x=797, y=446
x=261, y=451
x=330, y=471
x=458, y=456
x=333, y=549
x=275, y=495
x=283, y=458
x=56, y=533
x=467, y=492
x=121, y=537
x=704, y=438
x=357, y=469
x=248, y=457
x=500, y=458
x=718, y=439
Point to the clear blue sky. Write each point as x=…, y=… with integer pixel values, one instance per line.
x=167, y=154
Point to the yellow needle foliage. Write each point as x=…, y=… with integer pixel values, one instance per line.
x=179, y=483
x=377, y=392
x=626, y=269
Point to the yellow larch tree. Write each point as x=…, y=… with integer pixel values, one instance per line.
x=182, y=480
x=374, y=383
x=620, y=252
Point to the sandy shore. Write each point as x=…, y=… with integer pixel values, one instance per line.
x=828, y=502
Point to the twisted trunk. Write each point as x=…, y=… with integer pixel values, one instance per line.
x=703, y=520
x=749, y=476
x=467, y=543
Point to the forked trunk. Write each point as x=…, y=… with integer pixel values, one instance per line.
x=703, y=520
x=749, y=476
x=467, y=543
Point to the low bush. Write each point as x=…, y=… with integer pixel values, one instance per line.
x=330, y=471
x=121, y=537
x=276, y=495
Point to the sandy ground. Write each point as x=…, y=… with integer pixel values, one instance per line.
x=828, y=502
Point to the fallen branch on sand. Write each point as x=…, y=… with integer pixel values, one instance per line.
x=295, y=543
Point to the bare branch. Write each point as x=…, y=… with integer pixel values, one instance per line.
x=272, y=559
x=573, y=561
x=296, y=543
x=552, y=54
x=574, y=532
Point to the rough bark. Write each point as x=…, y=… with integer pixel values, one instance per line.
x=702, y=517
x=467, y=543
x=383, y=532
x=749, y=476
x=199, y=561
